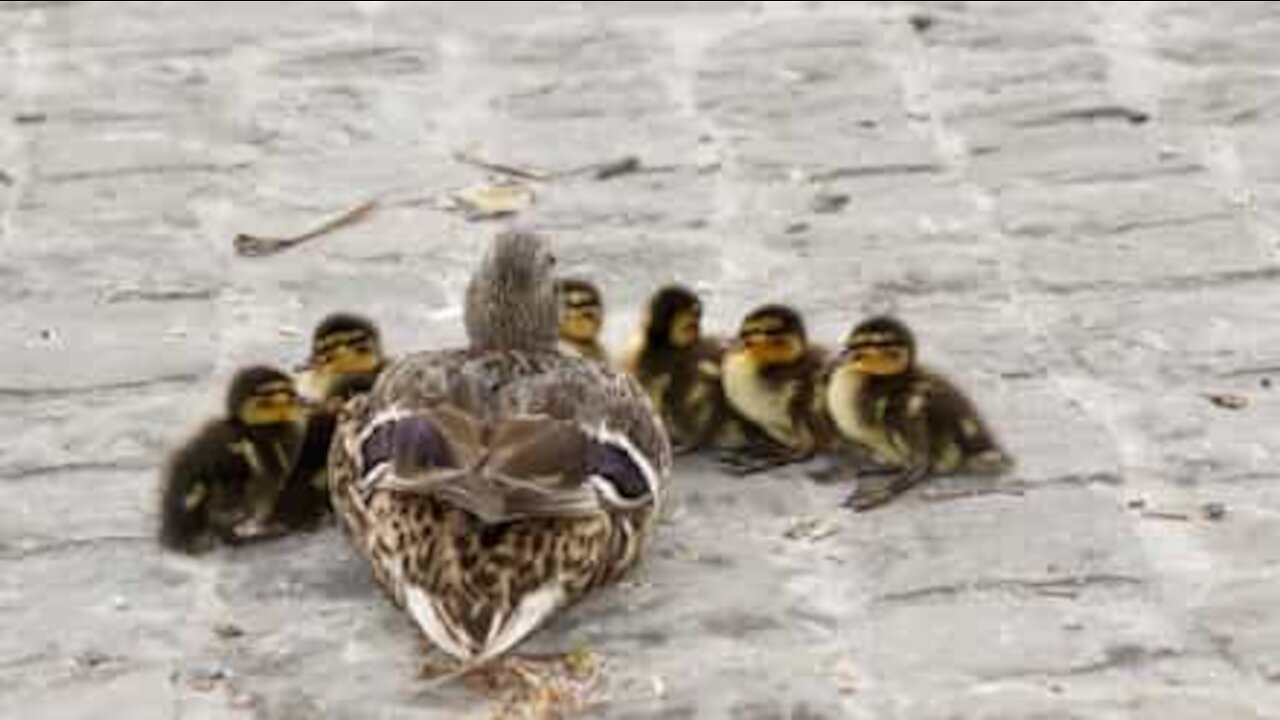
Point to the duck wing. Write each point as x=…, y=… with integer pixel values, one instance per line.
x=507, y=436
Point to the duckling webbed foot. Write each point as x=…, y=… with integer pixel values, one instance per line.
x=875, y=490
x=832, y=470
x=749, y=463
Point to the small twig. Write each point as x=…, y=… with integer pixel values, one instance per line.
x=1163, y=515
x=945, y=496
x=1227, y=401
x=605, y=170
x=512, y=170
x=614, y=168
x=1058, y=593
x=256, y=246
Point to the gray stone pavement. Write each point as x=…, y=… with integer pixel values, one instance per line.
x=1078, y=206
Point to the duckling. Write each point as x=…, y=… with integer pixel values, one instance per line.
x=680, y=368
x=910, y=419
x=224, y=481
x=346, y=356
x=771, y=378
x=581, y=317
x=491, y=486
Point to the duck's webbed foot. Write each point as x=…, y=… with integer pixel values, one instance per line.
x=875, y=490
x=750, y=462
x=832, y=470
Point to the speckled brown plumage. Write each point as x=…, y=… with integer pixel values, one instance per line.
x=470, y=525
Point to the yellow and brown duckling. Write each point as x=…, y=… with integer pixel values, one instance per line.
x=680, y=368
x=771, y=377
x=581, y=320
x=912, y=421
x=491, y=486
x=346, y=357
x=223, y=483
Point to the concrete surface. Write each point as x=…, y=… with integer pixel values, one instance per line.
x=1075, y=204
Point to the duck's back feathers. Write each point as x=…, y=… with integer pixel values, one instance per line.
x=496, y=385
x=514, y=468
x=489, y=489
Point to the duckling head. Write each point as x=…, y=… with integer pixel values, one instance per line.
x=675, y=318
x=263, y=397
x=581, y=310
x=880, y=346
x=345, y=344
x=511, y=298
x=773, y=335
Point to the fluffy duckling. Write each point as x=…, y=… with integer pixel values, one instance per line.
x=223, y=483
x=581, y=319
x=771, y=378
x=680, y=368
x=346, y=357
x=491, y=486
x=910, y=419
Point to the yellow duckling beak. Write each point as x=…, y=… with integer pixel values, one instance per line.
x=581, y=324
x=272, y=407
x=769, y=342
x=345, y=360
x=686, y=329
x=882, y=361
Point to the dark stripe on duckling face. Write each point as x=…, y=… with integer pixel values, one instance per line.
x=881, y=346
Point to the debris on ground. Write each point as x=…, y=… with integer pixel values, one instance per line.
x=1214, y=510
x=921, y=22
x=937, y=496
x=622, y=166
x=204, y=677
x=485, y=202
x=258, y=246
x=532, y=687
x=605, y=170
x=90, y=659
x=228, y=631
x=811, y=529
x=470, y=158
x=828, y=202
x=1165, y=515
x=1228, y=400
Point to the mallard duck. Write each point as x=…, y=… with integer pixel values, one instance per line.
x=346, y=357
x=581, y=319
x=680, y=368
x=223, y=483
x=491, y=486
x=914, y=422
x=771, y=377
